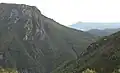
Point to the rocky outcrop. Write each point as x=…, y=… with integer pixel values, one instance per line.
x=33, y=43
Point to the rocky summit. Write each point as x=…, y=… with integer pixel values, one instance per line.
x=33, y=43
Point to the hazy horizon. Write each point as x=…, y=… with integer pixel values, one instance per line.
x=68, y=12
x=88, y=26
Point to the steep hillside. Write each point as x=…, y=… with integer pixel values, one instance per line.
x=33, y=43
x=103, y=56
x=105, y=32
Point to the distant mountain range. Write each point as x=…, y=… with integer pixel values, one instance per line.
x=33, y=43
x=88, y=26
x=99, y=29
x=104, y=32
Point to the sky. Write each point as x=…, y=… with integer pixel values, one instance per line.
x=68, y=12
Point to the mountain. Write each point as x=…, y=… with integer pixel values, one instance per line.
x=105, y=32
x=102, y=56
x=34, y=43
x=85, y=26
x=98, y=32
x=112, y=30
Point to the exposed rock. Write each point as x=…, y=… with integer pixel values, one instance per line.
x=32, y=42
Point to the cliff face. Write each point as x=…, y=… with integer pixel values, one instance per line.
x=33, y=43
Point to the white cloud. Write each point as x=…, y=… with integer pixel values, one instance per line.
x=68, y=12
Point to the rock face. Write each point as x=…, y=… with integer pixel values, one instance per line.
x=33, y=43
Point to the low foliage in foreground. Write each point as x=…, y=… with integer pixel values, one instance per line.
x=8, y=70
x=93, y=71
x=89, y=71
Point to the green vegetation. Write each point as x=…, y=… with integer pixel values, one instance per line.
x=103, y=55
x=89, y=71
x=93, y=71
x=8, y=70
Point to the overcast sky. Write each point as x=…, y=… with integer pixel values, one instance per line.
x=68, y=12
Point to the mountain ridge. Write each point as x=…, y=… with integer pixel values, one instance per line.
x=33, y=43
x=105, y=32
x=102, y=56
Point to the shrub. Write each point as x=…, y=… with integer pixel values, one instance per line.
x=8, y=70
x=89, y=71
